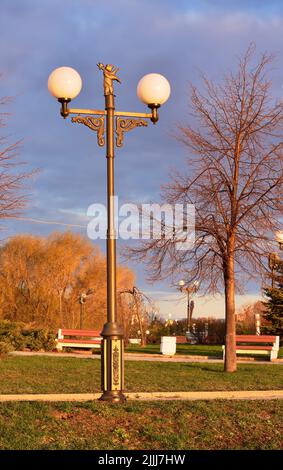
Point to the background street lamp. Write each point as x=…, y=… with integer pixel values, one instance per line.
x=190, y=290
x=65, y=83
x=82, y=301
x=279, y=239
x=275, y=263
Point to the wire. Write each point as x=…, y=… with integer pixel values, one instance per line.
x=177, y=301
x=48, y=222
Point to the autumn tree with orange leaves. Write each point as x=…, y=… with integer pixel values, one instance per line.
x=42, y=278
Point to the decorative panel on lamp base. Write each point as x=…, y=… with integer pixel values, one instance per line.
x=112, y=371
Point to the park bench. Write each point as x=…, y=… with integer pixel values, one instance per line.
x=255, y=344
x=181, y=340
x=78, y=339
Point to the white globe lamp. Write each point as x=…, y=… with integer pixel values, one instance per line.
x=64, y=83
x=154, y=90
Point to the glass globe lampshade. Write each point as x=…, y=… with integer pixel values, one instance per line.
x=64, y=83
x=279, y=237
x=153, y=88
x=181, y=283
x=273, y=260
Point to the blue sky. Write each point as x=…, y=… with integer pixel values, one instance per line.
x=176, y=39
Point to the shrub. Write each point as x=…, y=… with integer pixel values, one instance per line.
x=11, y=332
x=39, y=338
x=5, y=348
x=208, y=330
x=19, y=336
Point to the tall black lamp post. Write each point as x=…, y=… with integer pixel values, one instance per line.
x=65, y=83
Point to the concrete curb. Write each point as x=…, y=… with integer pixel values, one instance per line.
x=224, y=395
x=152, y=396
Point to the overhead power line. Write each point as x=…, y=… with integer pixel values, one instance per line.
x=48, y=222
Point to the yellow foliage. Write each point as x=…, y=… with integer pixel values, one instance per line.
x=42, y=279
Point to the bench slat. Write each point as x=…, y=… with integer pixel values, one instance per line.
x=60, y=346
x=80, y=341
x=86, y=333
x=255, y=339
x=243, y=348
x=181, y=339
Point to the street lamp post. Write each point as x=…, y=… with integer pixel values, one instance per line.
x=64, y=83
x=273, y=263
x=82, y=300
x=189, y=289
x=274, y=260
x=279, y=239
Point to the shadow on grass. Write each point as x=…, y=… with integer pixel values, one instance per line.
x=209, y=368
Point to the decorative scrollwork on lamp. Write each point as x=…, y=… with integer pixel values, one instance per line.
x=116, y=358
x=94, y=123
x=126, y=125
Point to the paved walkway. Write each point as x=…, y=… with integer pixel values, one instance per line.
x=147, y=357
x=151, y=396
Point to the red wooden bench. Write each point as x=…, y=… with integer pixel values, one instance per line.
x=253, y=344
x=181, y=340
x=78, y=339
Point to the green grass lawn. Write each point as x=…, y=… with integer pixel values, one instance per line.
x=186, y=349
x=43, y=374
x=141, y=425
x=137, y=425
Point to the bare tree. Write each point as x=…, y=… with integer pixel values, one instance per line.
x=234, y=178
x=12, y=180
x=139, y=310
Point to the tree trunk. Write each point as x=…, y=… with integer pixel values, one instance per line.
x=230, y=363
x=124, y=319
x=143, y=337
x=60, y=309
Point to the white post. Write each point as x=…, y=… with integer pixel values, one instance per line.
x=59, y=336
x=223, y=348
x=275, y=349
x=257, y=324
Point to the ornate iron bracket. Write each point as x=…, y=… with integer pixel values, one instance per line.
x=126, y=125
x=94, y=123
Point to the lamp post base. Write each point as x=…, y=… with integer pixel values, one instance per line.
x=113, y=396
